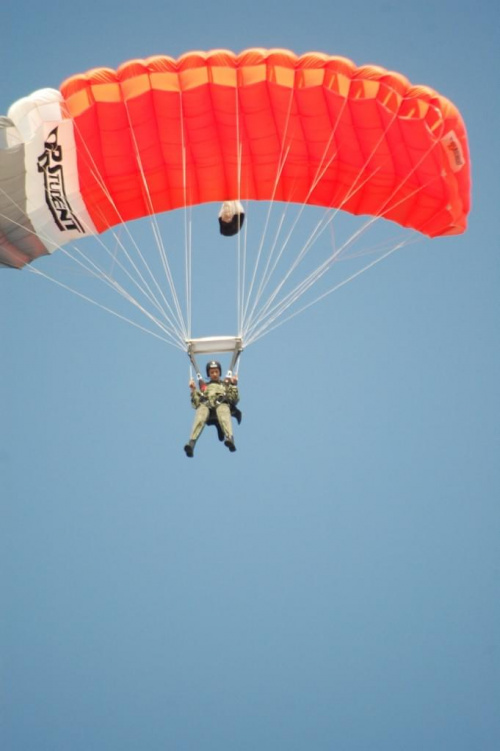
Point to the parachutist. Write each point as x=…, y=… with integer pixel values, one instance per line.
x=231, y=218
x=214, y=406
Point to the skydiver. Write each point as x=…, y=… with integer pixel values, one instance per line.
x=214, y=405
x=231, y=218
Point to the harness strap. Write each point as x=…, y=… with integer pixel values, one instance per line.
x=199, y=376
x=236, y=354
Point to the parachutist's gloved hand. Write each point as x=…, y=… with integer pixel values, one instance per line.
x=192, y=385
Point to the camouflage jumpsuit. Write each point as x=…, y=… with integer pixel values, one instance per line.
x=217, y=398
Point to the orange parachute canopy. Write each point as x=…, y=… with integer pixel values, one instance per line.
x=160, y=133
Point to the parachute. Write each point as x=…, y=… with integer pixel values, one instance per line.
x=162, y=134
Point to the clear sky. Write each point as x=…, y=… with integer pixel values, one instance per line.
x=334, y=584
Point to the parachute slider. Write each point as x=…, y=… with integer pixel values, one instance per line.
x=212, y=345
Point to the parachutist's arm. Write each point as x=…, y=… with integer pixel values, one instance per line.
x=196, y=395
x=195, y=399
x=232, y=394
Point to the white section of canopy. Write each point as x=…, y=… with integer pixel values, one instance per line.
x=48, y=139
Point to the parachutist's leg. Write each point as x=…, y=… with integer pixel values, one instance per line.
x=200, y=420
x=229, y=442
x=224, y=418
x=189, y=448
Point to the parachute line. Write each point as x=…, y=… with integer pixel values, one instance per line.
x=284, y=152
x=268, y=328
x=114, y=285
x=99, y=180
x=157, y=234
x=323, y=165
x=171, y=318
x=40, y=273
x=269, y=312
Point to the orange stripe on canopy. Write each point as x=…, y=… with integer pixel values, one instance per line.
x=160, y=133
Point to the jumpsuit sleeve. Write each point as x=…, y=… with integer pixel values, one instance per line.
x=196, y=399
x=232, y=394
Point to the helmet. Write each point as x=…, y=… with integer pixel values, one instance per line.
x=213, y=364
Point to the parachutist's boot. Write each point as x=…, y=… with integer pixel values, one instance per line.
x=189, y=448
x=229, y=442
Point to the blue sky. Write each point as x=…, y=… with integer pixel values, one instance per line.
x=334, y=584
